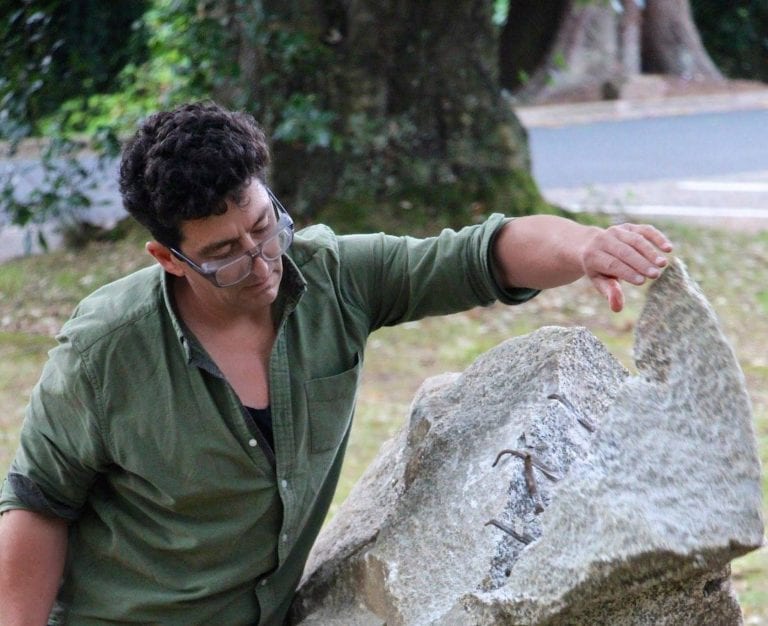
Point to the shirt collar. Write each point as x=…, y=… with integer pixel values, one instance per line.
x=292, y=288
x=182, y=333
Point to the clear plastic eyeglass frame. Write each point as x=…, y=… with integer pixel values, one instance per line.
x=229, y=272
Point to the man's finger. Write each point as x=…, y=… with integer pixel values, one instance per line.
x=652, y=234
x=625, y=254
x=620, y=262
x=611, y=290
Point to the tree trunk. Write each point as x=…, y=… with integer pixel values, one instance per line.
x=526, y=38
x=559, y=33
x=600, y=48
x=237, y=86
x=630, y=29
x=671, y=42
x=584, y=56
x=420, y=114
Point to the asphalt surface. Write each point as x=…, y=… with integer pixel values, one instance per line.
x=650, y=149
x=701, y=159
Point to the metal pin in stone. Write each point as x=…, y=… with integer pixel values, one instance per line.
x=521, y=537
x=530, y=478
x=584, y=421
x=530, y=482
x=546, y=470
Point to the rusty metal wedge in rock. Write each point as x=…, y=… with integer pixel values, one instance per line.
x=583, y=420
x=521, y=537
x=545, y=469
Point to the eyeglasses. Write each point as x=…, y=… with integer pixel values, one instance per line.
x=228, y=272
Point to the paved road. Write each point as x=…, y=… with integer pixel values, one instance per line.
x=676, y=147
x=709, y=167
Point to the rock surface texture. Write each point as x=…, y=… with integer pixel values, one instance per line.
x=547, y=485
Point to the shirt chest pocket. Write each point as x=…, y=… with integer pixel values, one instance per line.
x=330, y=404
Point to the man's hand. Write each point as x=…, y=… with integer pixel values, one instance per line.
x=629, y=252
x=544, y=251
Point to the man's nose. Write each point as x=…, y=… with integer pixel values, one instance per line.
x=260, y=267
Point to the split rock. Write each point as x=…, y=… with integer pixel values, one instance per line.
x=621, y=499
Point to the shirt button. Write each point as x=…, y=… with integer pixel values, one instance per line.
x=285, y=538
x=284, y=484
x=263, y=583
x=253, y=443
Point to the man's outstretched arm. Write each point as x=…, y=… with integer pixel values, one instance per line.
x=33, y=548
x=543, y=251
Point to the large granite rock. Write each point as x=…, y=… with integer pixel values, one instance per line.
x=621, y=498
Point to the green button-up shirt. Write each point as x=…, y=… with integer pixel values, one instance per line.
x=180, y=514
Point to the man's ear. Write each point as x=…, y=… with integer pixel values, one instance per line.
x=165, y=258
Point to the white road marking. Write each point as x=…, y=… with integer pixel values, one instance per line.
x=675, y=210
x=727, y=186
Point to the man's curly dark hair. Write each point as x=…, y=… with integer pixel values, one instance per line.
x=186, y=163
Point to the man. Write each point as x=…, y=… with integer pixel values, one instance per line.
x=181, y=449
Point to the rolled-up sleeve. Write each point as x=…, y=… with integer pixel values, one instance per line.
x=61, y=448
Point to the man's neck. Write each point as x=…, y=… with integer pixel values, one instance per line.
x=204, y=317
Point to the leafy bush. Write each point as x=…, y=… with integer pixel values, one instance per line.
x=49, y=54
x=52, y=51
x=735, y=35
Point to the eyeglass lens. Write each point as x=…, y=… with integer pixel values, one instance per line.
x=271, y=249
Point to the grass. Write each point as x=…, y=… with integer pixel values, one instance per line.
x=37, y=294
x=21, y=357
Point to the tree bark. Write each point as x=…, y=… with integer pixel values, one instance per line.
x=672, y=44
x=526, y=38
x=583, y=58
x=599, y=47
x=630, y=30
x=239, y=86
x=419, y=116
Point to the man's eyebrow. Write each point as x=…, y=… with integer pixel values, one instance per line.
x=215, y=246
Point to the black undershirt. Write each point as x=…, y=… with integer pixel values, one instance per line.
x=263, y=419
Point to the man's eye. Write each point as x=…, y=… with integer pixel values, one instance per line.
x=260, y=229
x=223, y=255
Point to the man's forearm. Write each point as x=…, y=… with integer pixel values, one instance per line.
x=543, y=251
x=33, y=548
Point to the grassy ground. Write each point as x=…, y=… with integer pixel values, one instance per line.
x=37, y=294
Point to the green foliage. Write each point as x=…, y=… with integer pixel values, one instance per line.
x=180, y=50
x=259, y=57
x=291, y=96
x=194, y=52
x=57, y=194
x=46, y=54
x=52, y=50
x=735, y=35
x=175, y=69
x=500, y=12
x=304, y=123
x=422, y=209
x=58, y=183
x=27, y=46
